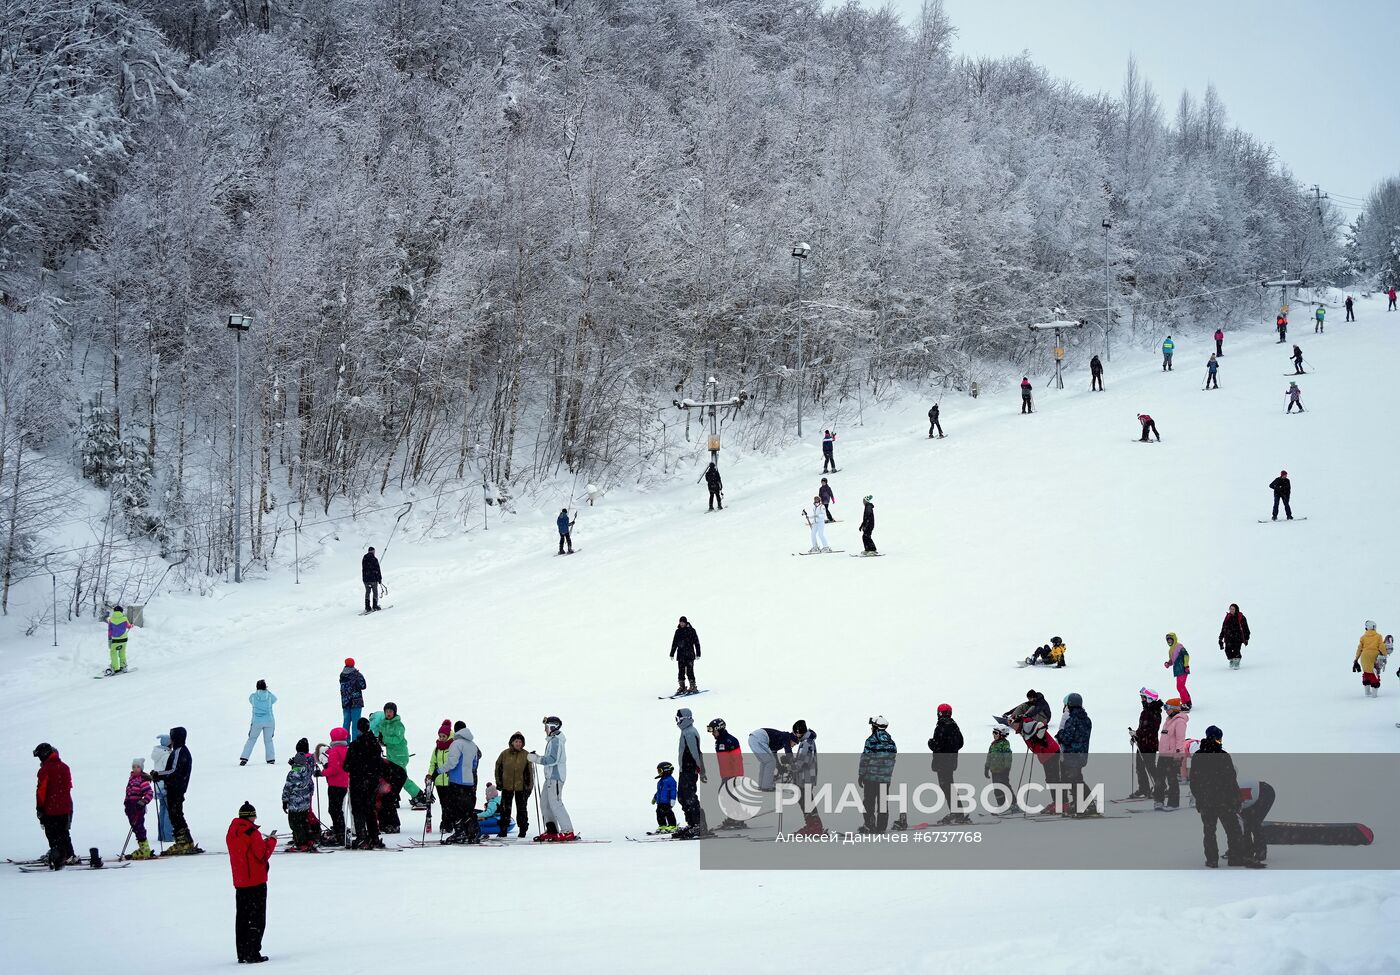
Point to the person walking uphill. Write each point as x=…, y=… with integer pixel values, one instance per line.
x=249, y=855
x=1391, y=296
x=558, y=828
x=1234, y=633
x=828, y=451
x=692, y=766
x=1320, y=317
x=138, y=796
x=566, y=531
x=1180, y=663
x=1283, y=491
x=372, y=578
x=395, y=739
x=1368, y=650
x=515, y=777
x=933, y=423
x=1026, y=388
x=296, y=798
x=867, y=526
x=352, y=697
x=1217, y=793
x=362, y=761
x=1095, y=383
x=715, y=485
x=685, y=650
x=1281, y=323
x=53, y=801
x=1351, y=315
x=1168, y=348
x=176, y=776
x=118, y=631
x=263, y=723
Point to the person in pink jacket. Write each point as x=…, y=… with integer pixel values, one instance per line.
x=1171, y=754
x=337, y=781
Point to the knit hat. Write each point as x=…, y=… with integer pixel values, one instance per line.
x=491, y=792
x=445, y=729
x=349, y=661
x=868, y=498
x=303, y=746
x=139, y=763
x=945, y=709
x=246, y=811
x=1214, y=732
x=1148, y=693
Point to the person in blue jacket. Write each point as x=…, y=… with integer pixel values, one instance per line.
x=263, y=723
x=176, y=776
x=352, y=697
x=1073, y=738
x=463, y=755
x=664, y=798
x=566, y=528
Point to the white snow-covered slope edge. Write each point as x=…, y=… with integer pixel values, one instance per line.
x=1010, y=531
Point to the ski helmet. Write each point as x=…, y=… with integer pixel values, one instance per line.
x=1148, y=694
x=1000, y=730
x=1370, y=624
x=879, y=722
x=716, y=724
x=664, y=768
x=43, y=750
x=945, y=709
x=868, y=498
x=1174, y=702
x=552, y=724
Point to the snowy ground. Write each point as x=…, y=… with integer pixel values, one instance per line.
x=1011, y=530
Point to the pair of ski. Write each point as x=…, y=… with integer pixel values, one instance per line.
x=675, y=697
x=500, y=842
x=655, y=836
x=83, y=867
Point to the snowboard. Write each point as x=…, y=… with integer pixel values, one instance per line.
x=1022, y=663
x=835, y=551
x=1140, y=440
x=83, y=867
x=1316, y=834
x=1265, y=521
x=673, y=697
x=574, y=552
x=867, y=555
x=109, y=672
x=379, y=610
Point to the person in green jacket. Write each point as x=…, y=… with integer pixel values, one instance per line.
x=997, y=767
x=436, y=762
x=391, y=733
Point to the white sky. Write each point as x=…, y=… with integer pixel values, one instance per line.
x=1319, y=81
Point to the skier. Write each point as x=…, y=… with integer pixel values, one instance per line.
x=371, y=577
x=337, y=781
x=436, y=782
x=1281, y=323
x=176, y=776
x=727, y=751
x=685, y=650
x=1370, y=647
x=263, y=723
x=1026, y=406
x=933, y=423
x=394, y=736
x=1073, y=738
x=1351, y=316
x=945, y=744
x=516, y=779
x=1297, y=358
x=997, y=765
x=1234, y=633
x=1145, y=741
x=876, y=769
x=1095, y=382
x=159, y=754
x=1035, y=733
x=352, y=698
x=1256, y=799
x=1295, y=398
x=1211, y=367
x=249, y=854
x=118, y=631
x=296, y=798
x=828, y=448
x=1219, y=341
x=1148, y=425
x=663, y=798
x=828, y=498
x=1168, y=347
x=804, y=776
x=1391, y=295
x=764, y=744
x=1217, y=794
x=566, y=529
x=1320, y=315
x=867, y=526
x=463, y=757
x=1283, y=491
x=1171, y=756
x=53, y=800
x=362, y=761
x=138, y=796
x=1180, y=663
x=716, y=486
x=558, y=828
x=817, y=527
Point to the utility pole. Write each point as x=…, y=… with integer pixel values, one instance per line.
x=1058, y=326
x=1107, y=300
x=1318, y=197
x=800, y=250
x=712, y=403
x=239, y=324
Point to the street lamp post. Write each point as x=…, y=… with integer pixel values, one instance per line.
x=800, y=250
x=239, y=324
x=1107, y=302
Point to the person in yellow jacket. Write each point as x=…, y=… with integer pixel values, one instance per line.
x=1368, y=650
x=437, y=760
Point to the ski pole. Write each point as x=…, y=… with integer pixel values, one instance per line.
x=129, y=831
x=539, y=819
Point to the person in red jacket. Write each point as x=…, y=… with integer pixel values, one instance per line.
x=337, y=780
x=1391, y=295
x=248, y=854
x=1047, y=751
x=53, y=801
x=1219, y=341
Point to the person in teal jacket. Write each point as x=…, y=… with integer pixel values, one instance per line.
x=1168, y=347
x=1320, y=315
x=388, y=727
x=264, y=724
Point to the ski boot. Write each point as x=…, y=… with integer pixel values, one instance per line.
x=550, y=834
x=242, y=761
x=567, y=837
x=693, y=688
x=272, y=761
x=826, y=551
x=419, y=802
x=184, y=845
x=691, y=833
x=900, y=823
x=142, y=851
x=680, y=691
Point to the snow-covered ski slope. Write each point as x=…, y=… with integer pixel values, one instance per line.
x=1012, y=530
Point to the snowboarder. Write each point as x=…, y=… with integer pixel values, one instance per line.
x=1217, y=794
x=1180, y=663
x=804, y=776
x=53, y=801
x=1351, y=315
x=875, y=771
x=1234, y=633
x=685, y=650
x=1048, y=655
x=997, y=765
x=1283, y=491
x=1368, y=649
x=827, y=498
x=515, y=777
x=1076, y=729
x=118, y=631
x=1211, y=366
x=828, y=448
x=138, y=796
x=1219, y=341
x=816, y=523
x=337, y=781
x=159, y=754
x=249, y=854
x=352, y=697
x=1320, y=315
x=463, y=757
x=296, y=798
x=566, y=531
x=867, y=525
x=371, y=577
x=1297, y=358
x=1026, y=387
x=764, y=745
x=394, y=736
x=933, y=423
x=1295, y=398
x=558, y=828
x=362, y=761
x=664, y=797
x=716, y=486
x=945, y=744
x=1168, y=347
x=1171, y=756
x=1095, y=382
x=1145, y=742
x=1256, y=799
x=1148, y=425
x=176, y=776
x=1390, y=295
x=263, y=723
x=1281, y=323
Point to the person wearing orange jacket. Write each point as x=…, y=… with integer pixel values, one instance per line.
x=1368, y=650
x=248, y=855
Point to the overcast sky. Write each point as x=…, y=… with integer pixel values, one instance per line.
x=1319, y=81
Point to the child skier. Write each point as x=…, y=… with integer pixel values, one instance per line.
x=1212, y=366
x=1148, y=425
x=816, y=522
x=1180, y=663
x=138, y=796
x=437, y=777
x=997, y=766
x=1171, y=756
x=1295, y=398
x=337, y=782
x=296, y=798
x=664, y=798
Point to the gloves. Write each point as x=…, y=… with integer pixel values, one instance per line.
x=986, y=773
x=1222, y=644
x=39, y=811
x=1356, y=666
x=653, y=800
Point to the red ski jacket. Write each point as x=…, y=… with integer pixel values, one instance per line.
x=248, y=852
x=54, y=794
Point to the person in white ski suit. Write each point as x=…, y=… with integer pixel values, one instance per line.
x=553, y=769
x=816, y=520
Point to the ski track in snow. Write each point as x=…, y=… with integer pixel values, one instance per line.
x=1013, y=529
